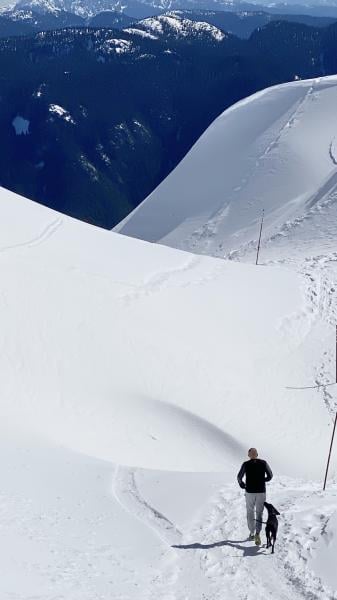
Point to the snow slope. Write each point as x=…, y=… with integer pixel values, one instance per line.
x=100, y=298
x=276, y=150
x=133, y=379
x=122, y=387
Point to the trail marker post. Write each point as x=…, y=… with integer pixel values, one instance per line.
x=259, y=242
x=330, y=450
x=336, y=353
x=333, y=431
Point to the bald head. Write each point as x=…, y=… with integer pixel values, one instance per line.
x=252, y=453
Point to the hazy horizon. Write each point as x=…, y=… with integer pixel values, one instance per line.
x=319, y=8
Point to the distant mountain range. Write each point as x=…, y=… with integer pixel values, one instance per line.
x=27, y=21
x=93, y=119
x=141, y=8
x=28, y=17
x=241, y=18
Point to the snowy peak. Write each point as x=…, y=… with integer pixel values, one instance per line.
x=40, y=6
x=82, y=8
x=172, y=24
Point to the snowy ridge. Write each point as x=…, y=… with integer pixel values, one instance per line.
x=272, y=151
x=175, y=25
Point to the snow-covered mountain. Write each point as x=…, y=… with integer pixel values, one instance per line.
x=89, y=8
x=173, y=24
x=126, y=415
x=134, y=376
x=79, y=7
x=143, y=8
x=275, y=151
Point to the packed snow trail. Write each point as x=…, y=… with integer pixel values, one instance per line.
x=214, y=559
x=315, y=232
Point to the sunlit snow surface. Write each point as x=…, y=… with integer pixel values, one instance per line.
x=274, y=151
x=135, y=376
x=173, y=24
x=61, y=112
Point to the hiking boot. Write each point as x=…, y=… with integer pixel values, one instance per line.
x=257, y=539
x=251, y=537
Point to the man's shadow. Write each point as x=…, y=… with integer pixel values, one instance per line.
x=246, y=550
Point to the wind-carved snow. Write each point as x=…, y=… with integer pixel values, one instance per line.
x=21, y=125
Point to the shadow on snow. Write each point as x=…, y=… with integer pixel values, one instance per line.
x=247, y=550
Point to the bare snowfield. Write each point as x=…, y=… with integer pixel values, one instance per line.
x=135, y=376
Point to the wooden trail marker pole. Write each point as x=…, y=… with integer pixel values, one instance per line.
x=259, y=243
x=330, y=450
x=333, y=431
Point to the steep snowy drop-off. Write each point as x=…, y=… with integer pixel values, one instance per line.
x=133, y=379
x=276, y=150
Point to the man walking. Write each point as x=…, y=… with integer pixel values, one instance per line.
x=256, y=472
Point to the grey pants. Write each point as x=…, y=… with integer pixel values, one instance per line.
x=255, y=502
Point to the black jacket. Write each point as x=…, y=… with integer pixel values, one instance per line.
x=257, y=472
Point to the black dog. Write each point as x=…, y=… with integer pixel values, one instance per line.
x=271, y=525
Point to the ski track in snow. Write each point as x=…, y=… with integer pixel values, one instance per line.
x=320, y=291
x=213, y=559
x=126, y=493
x=331, y=151
x=321, y=275
x=162, y=280
x=157, y=281
x=42, y=237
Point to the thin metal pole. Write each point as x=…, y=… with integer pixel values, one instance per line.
x=336, y=353
x=331, y=444
x=259, y=243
